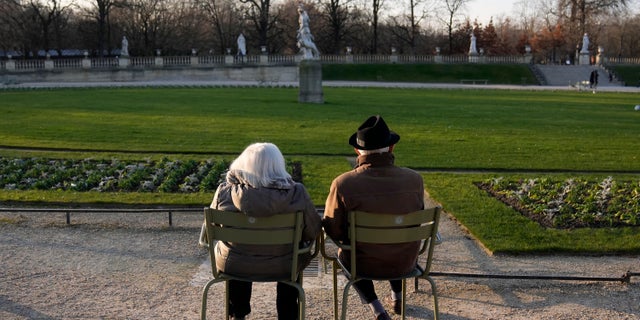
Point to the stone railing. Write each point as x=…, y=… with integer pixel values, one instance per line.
x=617, y=60
x=26, y=65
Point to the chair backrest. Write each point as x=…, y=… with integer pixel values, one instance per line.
x=237, y=227
x=366, y=227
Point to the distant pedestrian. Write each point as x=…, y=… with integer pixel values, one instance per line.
x=593, y=79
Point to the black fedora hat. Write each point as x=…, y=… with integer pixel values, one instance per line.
x=373, y=134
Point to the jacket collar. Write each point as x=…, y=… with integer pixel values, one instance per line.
x=375, y=160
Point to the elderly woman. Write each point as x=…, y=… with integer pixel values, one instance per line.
x=258, y=185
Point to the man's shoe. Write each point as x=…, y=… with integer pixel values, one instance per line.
x=383, y=316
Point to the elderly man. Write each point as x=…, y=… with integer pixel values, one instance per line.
x=375, y=185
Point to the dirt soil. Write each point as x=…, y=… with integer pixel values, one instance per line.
x=134, y=266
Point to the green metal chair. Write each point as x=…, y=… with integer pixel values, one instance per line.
x=367, y=227
x=236, y=227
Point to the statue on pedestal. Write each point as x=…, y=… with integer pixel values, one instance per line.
x=585, y=44
x=242, y=45
x=472, y=47
x=305, y=39
x=124, y=51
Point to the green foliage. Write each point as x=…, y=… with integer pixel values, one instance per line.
x=429, y=73
x=629, y=74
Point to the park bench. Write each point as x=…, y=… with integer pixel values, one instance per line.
x=474, y=81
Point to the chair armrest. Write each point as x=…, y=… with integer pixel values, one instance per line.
x=203, y=241
x=317, y=246
x=323, y=245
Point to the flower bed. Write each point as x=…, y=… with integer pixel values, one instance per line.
x=572, y=203
x=111, y=176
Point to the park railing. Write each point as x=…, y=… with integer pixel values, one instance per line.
x=87, y=63
x=622, y=61
x=68, y=211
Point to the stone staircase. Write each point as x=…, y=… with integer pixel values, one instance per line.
x=571, y=75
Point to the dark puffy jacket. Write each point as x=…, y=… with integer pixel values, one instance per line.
x=284, y=197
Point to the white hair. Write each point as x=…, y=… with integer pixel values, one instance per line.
x=381, y=150
x=261, y=164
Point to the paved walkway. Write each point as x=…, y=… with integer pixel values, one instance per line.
x=359, y=84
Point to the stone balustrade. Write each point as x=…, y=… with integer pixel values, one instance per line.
x=10, y=64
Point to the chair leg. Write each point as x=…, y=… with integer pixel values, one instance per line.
x=345, y=300
x=301, y=304
x=226, y=300
x=404, y=299
x=435, y=298
x=334, y=269
x=205, y=291
x=301, y=297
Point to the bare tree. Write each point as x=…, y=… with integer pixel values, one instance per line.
x=226, y=21
x=375, y=17
x=49, y=15
x=336, y=15
x=451, y=10
x=579, y=16
x=100, y=12
x=11, y=24
x=406, y=27
x=148, y=25
x=259, y=15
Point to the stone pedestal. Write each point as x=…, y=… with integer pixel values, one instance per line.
x=86, y=63
x=585, y=58
x=123, y=62
x=10, y=65
x=264, y=59
x=348, y=58
x=310, y=79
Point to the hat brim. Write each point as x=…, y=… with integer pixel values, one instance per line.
x=392, y=139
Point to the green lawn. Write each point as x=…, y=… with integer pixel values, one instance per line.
x=461, y=131
x=443, y=129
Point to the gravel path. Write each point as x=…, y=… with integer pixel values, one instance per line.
x=133, y=266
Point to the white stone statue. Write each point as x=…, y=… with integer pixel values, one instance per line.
x=585, y=44
x=472, y=47
x=242, y=45
x=124, y=51
x=305, y=39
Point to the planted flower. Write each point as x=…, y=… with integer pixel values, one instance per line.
x=572, y=203
x=111, y=176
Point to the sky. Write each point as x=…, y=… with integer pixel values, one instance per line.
x=485, y=9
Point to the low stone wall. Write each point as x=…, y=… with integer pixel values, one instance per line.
x=220, y=73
